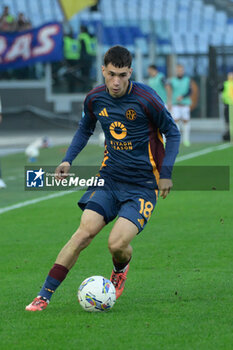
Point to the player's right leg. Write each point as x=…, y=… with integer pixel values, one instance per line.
x=91, y=224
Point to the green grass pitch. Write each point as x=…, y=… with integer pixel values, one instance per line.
x=180, y=285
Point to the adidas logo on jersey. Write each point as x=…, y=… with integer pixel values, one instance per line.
x=104, y=113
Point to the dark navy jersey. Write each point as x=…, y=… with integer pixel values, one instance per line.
x=133, y=125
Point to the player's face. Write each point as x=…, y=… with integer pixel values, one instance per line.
x=152, y=72
x=180, y=71
x=116, y=79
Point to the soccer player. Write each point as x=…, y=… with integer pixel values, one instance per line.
x=134, y=168
x=157, y=81
x=227, y=98
x=179, y=97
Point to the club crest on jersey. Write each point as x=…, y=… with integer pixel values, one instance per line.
x=131, y=114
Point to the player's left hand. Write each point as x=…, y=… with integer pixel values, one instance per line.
x=180, y=98
x=164, y=186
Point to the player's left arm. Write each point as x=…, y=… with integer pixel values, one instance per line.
x=166, y=125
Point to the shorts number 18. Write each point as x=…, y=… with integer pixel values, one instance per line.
x=146, y=208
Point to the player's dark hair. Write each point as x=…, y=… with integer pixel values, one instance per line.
x=118, y=56
x=153, y=66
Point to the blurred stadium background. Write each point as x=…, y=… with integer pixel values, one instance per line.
x=195, y=33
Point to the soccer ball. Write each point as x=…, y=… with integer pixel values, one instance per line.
x=96, y=293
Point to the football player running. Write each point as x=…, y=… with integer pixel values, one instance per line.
x=135, y=168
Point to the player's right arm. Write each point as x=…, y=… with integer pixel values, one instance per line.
x=80, y=139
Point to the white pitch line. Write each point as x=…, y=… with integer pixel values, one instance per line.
x=203, y=151
x=12, y=178
x=33, y=201
x=63, y=193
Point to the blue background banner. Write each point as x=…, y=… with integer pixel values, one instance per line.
x=42, y=44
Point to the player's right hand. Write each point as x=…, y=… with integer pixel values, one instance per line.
x=62, y=170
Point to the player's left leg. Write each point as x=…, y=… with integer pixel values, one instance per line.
x=119, y=241
x=119, y=246
x=137, y=205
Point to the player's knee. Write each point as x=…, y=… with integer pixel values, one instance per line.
x=84, y=234
x=87, y=230
x=117, y=246
x=88, y=227
x=80, y=239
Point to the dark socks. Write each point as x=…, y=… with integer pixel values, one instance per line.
x=120, y=266
x=56, y=275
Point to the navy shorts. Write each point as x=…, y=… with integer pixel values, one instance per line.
x=133, y=202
